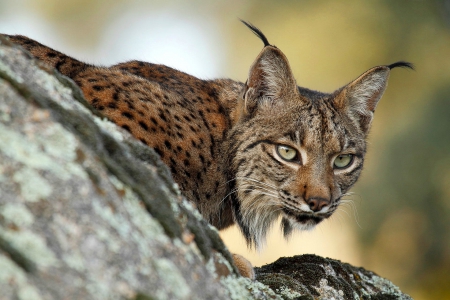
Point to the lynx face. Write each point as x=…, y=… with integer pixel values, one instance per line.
x=296, y=152
x=301, y=161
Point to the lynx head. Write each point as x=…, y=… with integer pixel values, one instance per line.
x=296, y=152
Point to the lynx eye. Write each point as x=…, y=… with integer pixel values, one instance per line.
x=343, y=161
x=287, y=153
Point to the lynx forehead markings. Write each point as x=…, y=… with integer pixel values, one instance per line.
x=242, y=152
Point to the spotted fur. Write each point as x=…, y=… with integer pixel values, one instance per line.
x=220, y=137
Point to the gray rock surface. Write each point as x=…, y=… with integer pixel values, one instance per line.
x=87, y=212
x=315, y=277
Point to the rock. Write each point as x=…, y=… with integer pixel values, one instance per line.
x=314, y=277
x=88, y=212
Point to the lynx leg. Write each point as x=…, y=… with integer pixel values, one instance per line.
x=244, y=266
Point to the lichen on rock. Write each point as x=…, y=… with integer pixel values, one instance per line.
x=324, y=278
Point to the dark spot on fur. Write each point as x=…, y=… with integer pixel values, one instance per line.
x=143, y=125
x=98, y=87
x=127, y=115
x=112, y=105
x=173, y=170
x=162, y=116
x=130, y=105
x=126, y=127
x=160, y=153
x=154, y=121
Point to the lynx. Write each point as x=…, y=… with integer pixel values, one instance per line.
x=241, y=152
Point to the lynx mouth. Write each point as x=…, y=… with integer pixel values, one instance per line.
x=303, y=218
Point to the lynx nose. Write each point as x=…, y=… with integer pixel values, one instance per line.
x=316, y=204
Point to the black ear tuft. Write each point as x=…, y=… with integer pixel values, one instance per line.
x=401, y=64
x=257, y=32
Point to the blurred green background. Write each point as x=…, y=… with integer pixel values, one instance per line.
x=400, y=224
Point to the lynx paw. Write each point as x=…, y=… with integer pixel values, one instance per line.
x=244, y=266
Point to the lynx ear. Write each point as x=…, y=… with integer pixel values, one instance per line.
x=270, y=80
x=360, y=97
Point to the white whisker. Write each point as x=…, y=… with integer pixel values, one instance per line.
x=263, y=188
x=258, y=181
x=353, y=207
x=224, y=198
x=338, y=216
